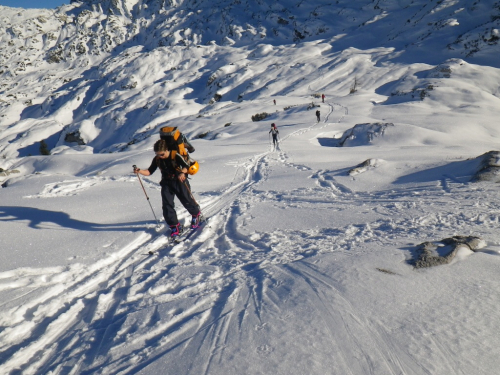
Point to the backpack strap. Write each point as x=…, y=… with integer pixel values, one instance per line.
x=179, y=160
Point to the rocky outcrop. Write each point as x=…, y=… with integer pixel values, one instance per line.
x=92, y=27
x=5, y=173
x=429, y=256
x=363, y=134
x=489, y=167
x=364, y=166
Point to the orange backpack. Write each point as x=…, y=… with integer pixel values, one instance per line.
x=179, y=145
x=176, y=141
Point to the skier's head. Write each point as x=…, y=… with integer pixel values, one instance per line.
x=273, y=125
x=161, y=148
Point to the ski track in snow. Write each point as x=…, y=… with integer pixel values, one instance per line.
x=115, y=316
x=74, y=186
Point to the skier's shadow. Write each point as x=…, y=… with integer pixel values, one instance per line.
x=35, y=217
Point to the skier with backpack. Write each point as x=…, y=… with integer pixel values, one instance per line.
x=318, y=115
x=175, y=166
x=274, y=132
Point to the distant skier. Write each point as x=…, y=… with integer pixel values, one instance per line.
x=323, y=97
x=318, y=115
x=173, y=184
x=274, y=131
x=274, y=100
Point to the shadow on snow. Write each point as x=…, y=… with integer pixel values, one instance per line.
x=36, y=217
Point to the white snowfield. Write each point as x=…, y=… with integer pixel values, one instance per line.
x=307, y=264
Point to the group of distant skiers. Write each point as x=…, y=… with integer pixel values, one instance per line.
x=173, y=161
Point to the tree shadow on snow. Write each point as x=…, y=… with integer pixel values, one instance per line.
x=35, y=217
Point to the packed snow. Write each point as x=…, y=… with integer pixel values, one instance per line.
x=309, y=263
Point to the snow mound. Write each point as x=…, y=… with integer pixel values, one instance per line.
x=221, y=136
x=261, y=51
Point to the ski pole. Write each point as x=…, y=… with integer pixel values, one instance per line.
x=146, y=194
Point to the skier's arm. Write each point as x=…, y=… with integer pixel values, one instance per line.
x=144, y=172
x=149, y=171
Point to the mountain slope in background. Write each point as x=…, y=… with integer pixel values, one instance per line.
x=91, y=58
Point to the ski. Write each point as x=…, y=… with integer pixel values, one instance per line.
x=184, y=235
x=191, y=232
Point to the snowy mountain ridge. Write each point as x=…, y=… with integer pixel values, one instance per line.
x=95, y=27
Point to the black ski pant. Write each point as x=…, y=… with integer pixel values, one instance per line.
x=174, y=188
x=275, y=139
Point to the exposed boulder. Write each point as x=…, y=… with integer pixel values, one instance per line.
x=432, y=254
x=74, y=137
x=364, y=166
x=489, y=167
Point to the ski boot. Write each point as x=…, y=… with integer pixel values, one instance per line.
x=176, y=230
x=196, y=220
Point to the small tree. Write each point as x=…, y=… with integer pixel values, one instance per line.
x=354, y=86
x=44, y=149
x=260, y=116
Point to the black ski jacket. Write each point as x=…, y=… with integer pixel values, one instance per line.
x=168, y=167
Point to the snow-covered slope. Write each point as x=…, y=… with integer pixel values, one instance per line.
x=309, y=263
x=85, y=63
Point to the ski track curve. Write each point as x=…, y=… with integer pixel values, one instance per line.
x=123, y=312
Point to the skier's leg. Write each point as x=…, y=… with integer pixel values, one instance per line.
x=168, y=207
x=186, y=197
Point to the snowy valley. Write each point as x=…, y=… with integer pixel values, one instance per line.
x=365, y=243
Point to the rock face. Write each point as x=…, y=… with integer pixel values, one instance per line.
x=74, y=137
